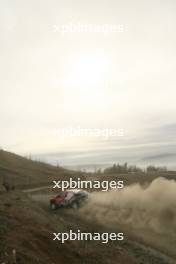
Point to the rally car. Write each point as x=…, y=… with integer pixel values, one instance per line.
x=69, y=198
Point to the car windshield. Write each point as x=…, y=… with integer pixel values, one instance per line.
x=61, y=194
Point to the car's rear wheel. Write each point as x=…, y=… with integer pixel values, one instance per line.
x=53, y=206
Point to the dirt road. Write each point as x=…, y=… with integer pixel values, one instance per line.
x=142, y=246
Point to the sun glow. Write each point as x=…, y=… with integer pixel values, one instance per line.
x=84, y=83
x=85, y=71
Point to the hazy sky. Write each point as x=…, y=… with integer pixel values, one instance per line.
x=50, y=80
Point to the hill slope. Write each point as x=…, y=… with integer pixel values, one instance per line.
x=23, y=172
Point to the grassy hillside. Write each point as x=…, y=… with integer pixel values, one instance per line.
x=26, y=173
x=23, y=172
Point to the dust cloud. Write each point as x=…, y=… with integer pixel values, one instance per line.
x=152, y=207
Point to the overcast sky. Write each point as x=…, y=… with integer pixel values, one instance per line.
x=50, y=80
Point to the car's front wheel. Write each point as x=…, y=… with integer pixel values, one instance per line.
x=74, y=205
